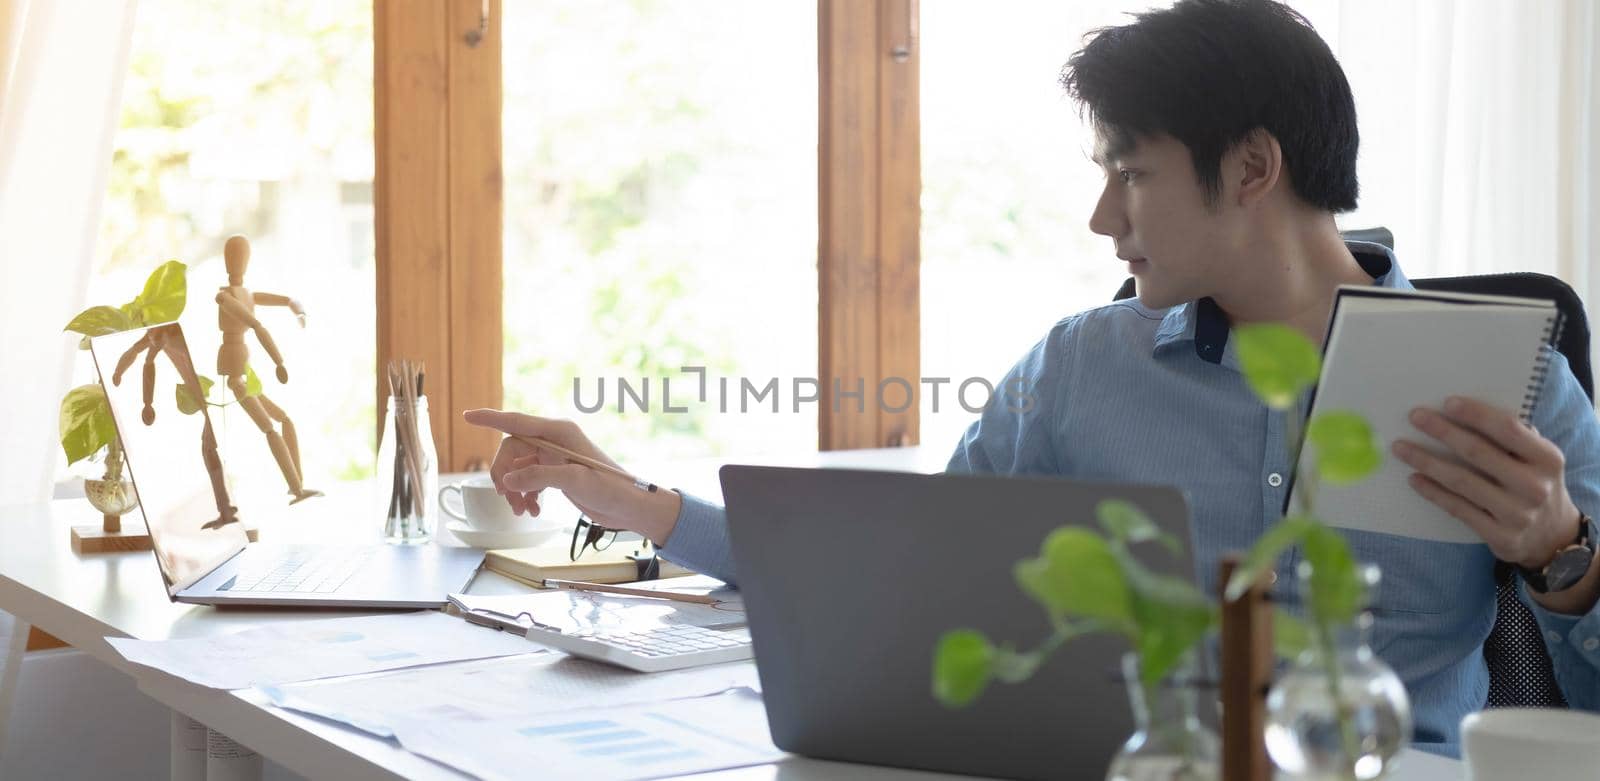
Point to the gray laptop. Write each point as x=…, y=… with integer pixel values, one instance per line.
x=849, y=578
x=203, y=553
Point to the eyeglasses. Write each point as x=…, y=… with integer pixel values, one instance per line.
x=587, y=535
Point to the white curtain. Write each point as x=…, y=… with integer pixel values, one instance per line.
x=61, y=71
x=1480, y=131
x=61, y=74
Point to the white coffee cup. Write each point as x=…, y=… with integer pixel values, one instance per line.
x=481, y=507
x=1515, y=744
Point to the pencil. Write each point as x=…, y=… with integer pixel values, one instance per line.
x=579, y=585
x=586, y=461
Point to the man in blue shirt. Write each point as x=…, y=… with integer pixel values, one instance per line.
x=1227, y=136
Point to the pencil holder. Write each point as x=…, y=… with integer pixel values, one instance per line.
x=408, y=472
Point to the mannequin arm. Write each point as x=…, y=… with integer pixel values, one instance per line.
x=273, y=299
x=128, y=357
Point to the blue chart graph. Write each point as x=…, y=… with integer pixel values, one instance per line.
x=608, y=740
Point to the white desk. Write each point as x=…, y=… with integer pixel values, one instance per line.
x=84, y=599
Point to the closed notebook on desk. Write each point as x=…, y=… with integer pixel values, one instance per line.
x=1390, y=351
x=533, y=565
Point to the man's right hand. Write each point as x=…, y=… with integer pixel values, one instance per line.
x=521, y=470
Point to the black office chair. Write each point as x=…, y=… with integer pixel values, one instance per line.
x=1520, y=674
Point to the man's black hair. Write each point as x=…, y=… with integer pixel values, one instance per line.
x=1207, y=73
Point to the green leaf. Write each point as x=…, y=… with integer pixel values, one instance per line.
x=962, y=664
x=1007, y=665
x=1264, y=554
x=1345, y=448
x=1337, y=590
x=252, y=383
x=1278, y=362
x=85, y=422
x=164, y=294
x=188, y=401
x=100, y=320
x=1126, y=523
x=1077, y=575
x=1290, y=637
x=1170, y=616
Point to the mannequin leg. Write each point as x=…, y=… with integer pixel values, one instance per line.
x=280, y=451
x=289, y=437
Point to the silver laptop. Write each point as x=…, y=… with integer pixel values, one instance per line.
x=850, y=577
x=203, y=553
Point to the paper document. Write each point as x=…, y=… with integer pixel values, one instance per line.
x=307, y=650
x=498, y=688
x=1390, y=352
x=632, y=742
x=568, y=611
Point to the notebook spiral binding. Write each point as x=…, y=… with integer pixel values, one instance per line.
x=1541, y=366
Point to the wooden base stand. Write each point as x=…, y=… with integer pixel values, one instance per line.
x=95, y=539
x=1246, y=675
x=111, y=537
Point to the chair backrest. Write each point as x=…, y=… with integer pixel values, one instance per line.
x=1520, y=674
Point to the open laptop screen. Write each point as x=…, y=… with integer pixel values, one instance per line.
x=165, y=451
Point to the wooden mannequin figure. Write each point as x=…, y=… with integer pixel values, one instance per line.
x=235, y=315
x=168, y=339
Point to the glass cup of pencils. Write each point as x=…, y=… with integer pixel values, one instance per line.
x=408, y=463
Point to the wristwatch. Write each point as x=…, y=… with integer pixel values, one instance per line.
x=1570, y=564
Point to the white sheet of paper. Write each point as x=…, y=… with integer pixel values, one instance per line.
x=496, y=689
x=604, y=744
x=1382, y=364
x=308, y=650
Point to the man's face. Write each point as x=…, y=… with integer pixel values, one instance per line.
x=1154, y=209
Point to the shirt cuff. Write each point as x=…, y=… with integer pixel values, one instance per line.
x=699, y=539
x=1580, y=634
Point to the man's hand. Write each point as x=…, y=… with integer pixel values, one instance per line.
x=520, y=471
x=1510, y=486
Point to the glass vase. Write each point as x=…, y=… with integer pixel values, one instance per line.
x=1168, y=743
x=408, y=473
x=1338, y=712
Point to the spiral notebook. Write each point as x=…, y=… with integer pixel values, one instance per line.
x=1389, y=351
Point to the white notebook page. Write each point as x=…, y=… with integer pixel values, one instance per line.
x=1386, y=356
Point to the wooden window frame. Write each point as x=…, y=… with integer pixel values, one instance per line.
x=440, y=215
x=440, y=210
x=869, y=218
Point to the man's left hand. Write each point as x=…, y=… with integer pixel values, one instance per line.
x=1510, y=486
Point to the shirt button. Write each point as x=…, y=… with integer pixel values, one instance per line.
x=1274, y=479
x=1553, y=636
x=1591, y=644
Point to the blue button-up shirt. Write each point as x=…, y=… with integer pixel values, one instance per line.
x=1125, y=393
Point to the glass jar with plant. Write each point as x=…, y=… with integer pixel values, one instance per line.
x=1338, y=712
x=1087, y=583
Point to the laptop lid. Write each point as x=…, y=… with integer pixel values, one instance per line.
x=182, y=501
x=850, y=577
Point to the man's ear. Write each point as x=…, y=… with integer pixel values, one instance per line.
x=1257, y=165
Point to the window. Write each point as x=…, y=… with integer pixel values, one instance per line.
x=256, y=119
x=660, y=183
x=1007, y=192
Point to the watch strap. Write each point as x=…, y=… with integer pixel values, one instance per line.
x=1539, y=580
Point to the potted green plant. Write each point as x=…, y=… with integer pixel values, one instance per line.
x=85, y=426
x=1088, y=582
x=1338, y=711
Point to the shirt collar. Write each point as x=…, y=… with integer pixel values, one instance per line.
x=1203, y=324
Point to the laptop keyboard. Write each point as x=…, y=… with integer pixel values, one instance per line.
x=319, y=572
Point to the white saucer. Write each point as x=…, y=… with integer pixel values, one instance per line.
x=520, y=538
